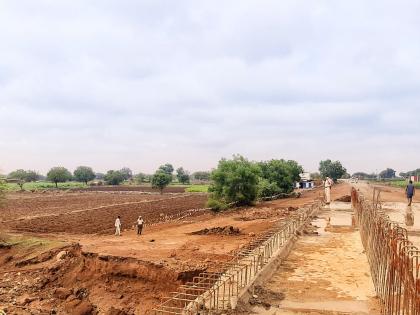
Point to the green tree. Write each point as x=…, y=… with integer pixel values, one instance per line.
x=282, y=173
x=234, y=181
x=167, y=168
x=141, y=178
x=161, y=179
x=127, y=173
x=21, y=177
x=32, y=176
x=331, y=169
x=388, y=173
x=58, y=174
x=201, y=175
x=183, y=176
x=84, y=174
x=114, y=177
x=267, y=188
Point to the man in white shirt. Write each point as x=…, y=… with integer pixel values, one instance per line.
x=327, y=186
x=118, y=226
x=140, y=223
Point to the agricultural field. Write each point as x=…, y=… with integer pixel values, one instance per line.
x=403, y=183
x=58, y=251
x=45, y=185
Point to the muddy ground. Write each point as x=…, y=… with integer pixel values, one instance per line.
x=59, y=253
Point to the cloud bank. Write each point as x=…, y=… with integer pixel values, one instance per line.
x=140, y=83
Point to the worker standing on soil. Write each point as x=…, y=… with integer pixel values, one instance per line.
x=327, y=186
x=410, y=191
x=140, y=223
x=118, y=226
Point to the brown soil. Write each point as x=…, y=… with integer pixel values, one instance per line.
x=170, y=189
x=346, y=198
x=101, y=219
x=28, y=205
x=225, y=230
x=107, y=274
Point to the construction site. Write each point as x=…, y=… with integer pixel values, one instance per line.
x=358, y=255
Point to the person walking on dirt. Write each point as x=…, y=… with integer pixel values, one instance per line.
x=118, y=226
x=410, y=191
x=327, y=186
x=140, y=223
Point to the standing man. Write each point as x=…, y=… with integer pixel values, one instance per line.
x=327, y=186
x=118, y=226
x=140, y=223
x=410, y=191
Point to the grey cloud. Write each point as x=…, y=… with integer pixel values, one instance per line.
x=137, y=83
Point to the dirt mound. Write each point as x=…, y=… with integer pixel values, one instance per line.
x=86, y=283
x=265, y=297
x=346, y=198
x=225, y=230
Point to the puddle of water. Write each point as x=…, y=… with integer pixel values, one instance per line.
x=359, y=307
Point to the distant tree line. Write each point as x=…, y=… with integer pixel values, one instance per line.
x=415, y=172
x=84, y=174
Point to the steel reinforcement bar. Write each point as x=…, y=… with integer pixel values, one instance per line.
x=216, y=291
x=394, y=260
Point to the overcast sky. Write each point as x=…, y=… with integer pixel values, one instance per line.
x=140, y=83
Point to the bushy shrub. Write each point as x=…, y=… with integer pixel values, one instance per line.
x=216, y=205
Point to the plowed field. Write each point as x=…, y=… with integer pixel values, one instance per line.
x=95, y=213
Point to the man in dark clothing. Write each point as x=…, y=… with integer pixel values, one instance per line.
x=410, y=191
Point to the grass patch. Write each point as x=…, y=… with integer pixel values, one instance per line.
x=197, y=188
x=27, y=241
x=402, y=183
x=44, y=185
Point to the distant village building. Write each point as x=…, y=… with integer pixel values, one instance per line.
x=415, y=178
x=305, y=181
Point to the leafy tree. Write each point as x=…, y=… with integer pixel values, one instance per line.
x=32, y=176
x=234, y=181
x=363, y=175
x=141, y=178
x=331, y=169
x=295, y=170
x=167, y=168
x=127, y=173
x=114, y=177
x=267, y=188
x=21, y=177
x=58, y=174
x=410, y=173
x=201, y=175
x=346, y=176
x=388, y=173
x=161, y=179
x=84, y=174
x=182, y=175
x=282, y=173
